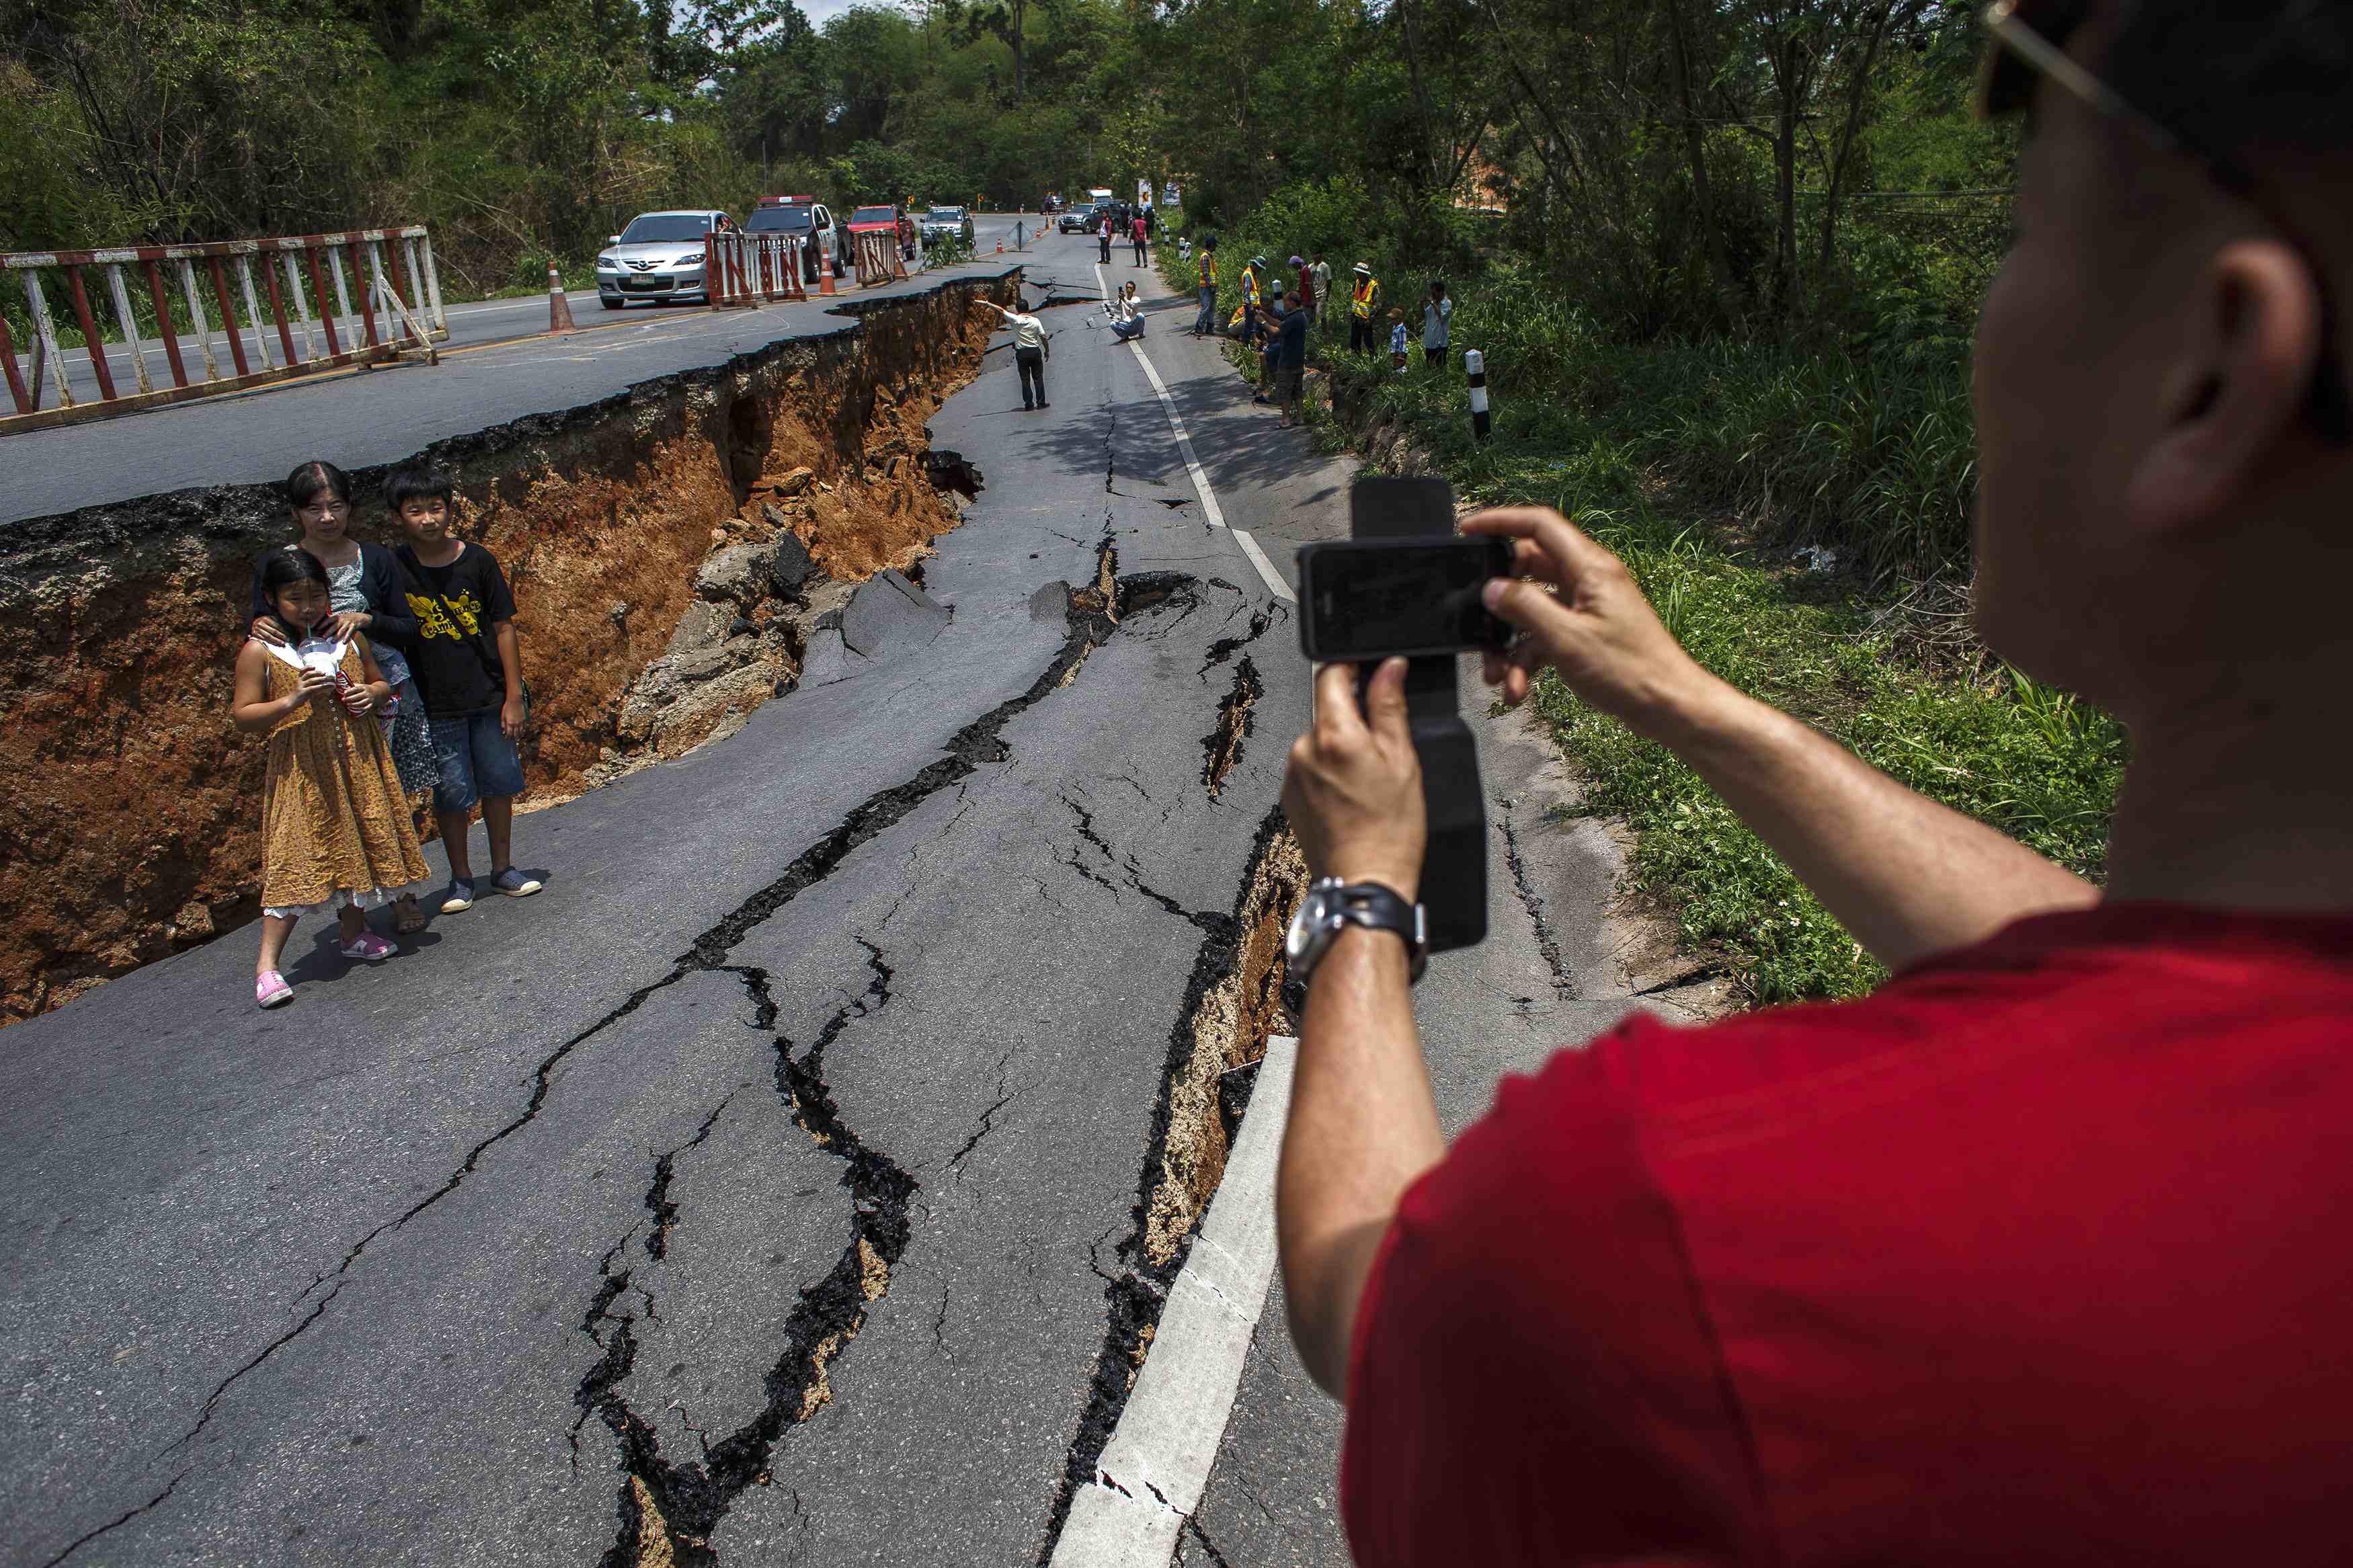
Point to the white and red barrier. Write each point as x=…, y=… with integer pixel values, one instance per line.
x=877, y=257
x=740, y=268
x=392, y=268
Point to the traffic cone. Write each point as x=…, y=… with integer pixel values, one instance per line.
x=1000, y=245
x=824, y=273
x=559, y=309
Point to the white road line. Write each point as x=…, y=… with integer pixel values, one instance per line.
x=1210, y=508
x=1152, y=1472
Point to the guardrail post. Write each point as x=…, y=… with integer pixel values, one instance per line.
x=367, y=298
x=163, y=323
x=89, y=338
x=438, y=319
x=301, y=309
x=1475, y=365
x=50, y=358
x=196, y=316
x=228, y=312
x=128, y=322
x=326, y=317
x=16, y=392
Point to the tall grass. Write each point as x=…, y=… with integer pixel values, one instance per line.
x=1871, y=454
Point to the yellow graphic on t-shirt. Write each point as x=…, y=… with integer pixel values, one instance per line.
x=434, y=615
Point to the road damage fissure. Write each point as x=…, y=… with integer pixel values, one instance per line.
x=1564, y=983
x=1094, y=616
x=1232, y=1003
x=1222, y=746
x=668, y=1509
x=119, y=621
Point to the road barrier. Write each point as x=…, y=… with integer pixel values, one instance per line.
x=877, y=258
x=393, y=266
x=772, y=268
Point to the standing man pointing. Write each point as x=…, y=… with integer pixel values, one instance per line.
x=1030, y=347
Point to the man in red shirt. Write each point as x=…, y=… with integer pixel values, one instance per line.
x=2039, y=1255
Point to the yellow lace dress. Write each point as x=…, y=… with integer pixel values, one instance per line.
x=334, y=823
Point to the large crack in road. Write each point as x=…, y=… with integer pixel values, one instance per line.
x=1232, y=1005
x=1095, y=614
x=670, y=1509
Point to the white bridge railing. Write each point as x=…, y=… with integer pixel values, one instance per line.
x=390, y=300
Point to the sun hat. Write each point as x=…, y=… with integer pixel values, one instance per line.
x=1365, y=267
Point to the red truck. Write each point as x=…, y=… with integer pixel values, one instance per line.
x=893, y=219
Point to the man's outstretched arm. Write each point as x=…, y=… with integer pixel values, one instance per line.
x=1362, y=1124
x=1908, y=877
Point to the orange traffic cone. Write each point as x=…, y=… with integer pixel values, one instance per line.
x=1000, y=245
x=559, y=309
x=824, y=272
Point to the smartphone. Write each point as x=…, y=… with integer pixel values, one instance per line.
x=1368, y=599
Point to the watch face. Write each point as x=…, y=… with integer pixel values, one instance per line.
x=1304, y=924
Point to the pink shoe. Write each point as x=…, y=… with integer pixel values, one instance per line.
x=271, y=990
x=369, y=948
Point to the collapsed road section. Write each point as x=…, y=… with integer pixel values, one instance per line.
x=671, y=549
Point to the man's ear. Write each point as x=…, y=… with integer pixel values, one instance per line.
x=2253, y=345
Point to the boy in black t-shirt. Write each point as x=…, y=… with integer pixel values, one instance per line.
x=468, y=665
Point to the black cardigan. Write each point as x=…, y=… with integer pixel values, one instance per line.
x=380, y=579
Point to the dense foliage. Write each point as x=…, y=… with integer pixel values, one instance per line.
x=1694, y=165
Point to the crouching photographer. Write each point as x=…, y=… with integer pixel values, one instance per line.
x=2036, y=1254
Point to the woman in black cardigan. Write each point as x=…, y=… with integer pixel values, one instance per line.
x=365, y=588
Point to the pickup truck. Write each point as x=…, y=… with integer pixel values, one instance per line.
x=893, y=219
x=807, y=217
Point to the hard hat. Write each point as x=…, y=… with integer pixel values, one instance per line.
x=1297, y=261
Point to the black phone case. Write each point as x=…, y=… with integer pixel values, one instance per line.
x=1309, y=557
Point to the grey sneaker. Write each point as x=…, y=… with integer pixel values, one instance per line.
x=456, y=896
x=514, y=884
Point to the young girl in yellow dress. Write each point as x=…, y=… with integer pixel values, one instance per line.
x=335, y=831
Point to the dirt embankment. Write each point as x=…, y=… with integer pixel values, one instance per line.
x=658, y=596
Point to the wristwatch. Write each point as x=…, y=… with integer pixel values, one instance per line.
x=1330, y=907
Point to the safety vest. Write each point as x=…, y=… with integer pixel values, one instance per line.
x=1368, y=300
x=1250, y=287
x=1209, y=269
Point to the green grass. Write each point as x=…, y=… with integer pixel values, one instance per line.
x=2036, y=765
x=1705, y=467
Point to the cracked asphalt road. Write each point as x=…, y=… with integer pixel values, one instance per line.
x=777, y=1165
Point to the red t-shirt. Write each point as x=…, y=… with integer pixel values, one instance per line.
x=1307, y=287
x=2041, y=1254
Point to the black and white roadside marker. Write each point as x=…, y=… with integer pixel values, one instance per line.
x=1476, y=364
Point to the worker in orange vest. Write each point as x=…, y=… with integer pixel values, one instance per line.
x=1251, y=283
x=1206, y=324
x=1363, y=306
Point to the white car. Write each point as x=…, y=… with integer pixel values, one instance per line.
x=657, y=257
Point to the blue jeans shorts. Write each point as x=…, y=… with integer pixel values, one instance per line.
x=477, y=761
